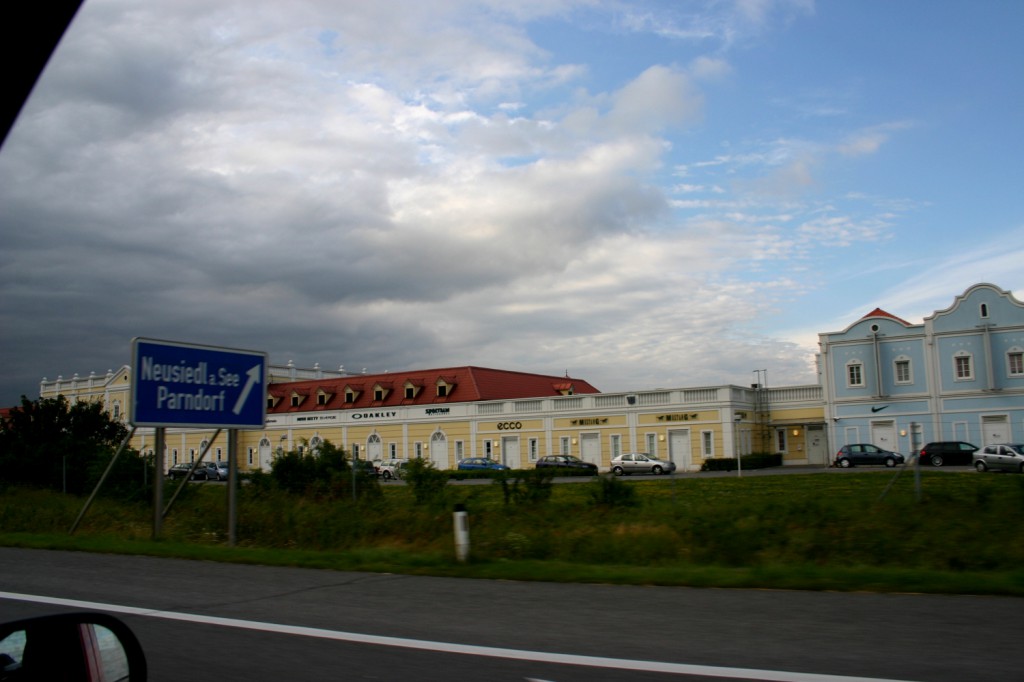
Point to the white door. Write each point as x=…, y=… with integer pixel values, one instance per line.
x=510, y=451
x=590, y=448
x=994, y=430
x=265, y=454
x=374, y=448
x=816, y=450
x=883, y=434
x=439, y=450
x=679, y=449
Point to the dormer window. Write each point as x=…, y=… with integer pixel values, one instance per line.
x=321, y=398
x=412, y=389
x=381, y=391
x=444, y=386
x=296, y=399
x=352, y=393
x=984, y=311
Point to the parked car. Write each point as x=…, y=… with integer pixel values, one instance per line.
x=181, y=471
x=866, y=453
x=390, y=468
x=365, y=467
x=567, y=465
x=215, y=471
x=641, y=463
x=480, y=463
x=1001, y=457
x=947, y=452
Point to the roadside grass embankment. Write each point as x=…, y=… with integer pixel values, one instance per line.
x=842, y=531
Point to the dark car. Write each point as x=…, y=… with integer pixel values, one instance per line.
x=365, y=468
x=567, y=465
x=947, y=452
x=866, y=453
x=477, y=463
x=181, y=471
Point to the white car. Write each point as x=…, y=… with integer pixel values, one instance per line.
x=1003, y=457
x=641, y=463
x=390, y=468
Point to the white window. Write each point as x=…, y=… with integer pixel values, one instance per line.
x=192, y=455
x=901, y=371
x=418, y=449
x=488, y=448
x=251, y=455
x=616, y=445
x=707, y=443
x=566, y=446
x=854, y=374
x=218, y=454
x=174, y=456
x=780, y=440
x=962, y=369
x=532, y=446
x=1015, y=362
x=393, y=449
x=460, y=451
x=355, y=450
x=652, y=443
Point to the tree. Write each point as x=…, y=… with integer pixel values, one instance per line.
x=53, y=444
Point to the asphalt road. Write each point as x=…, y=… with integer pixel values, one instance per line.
x=206, y=621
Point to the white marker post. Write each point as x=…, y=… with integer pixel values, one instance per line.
x=460, y=519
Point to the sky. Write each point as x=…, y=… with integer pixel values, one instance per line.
x=641, y=194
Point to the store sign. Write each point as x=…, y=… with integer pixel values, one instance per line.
x=677, y=417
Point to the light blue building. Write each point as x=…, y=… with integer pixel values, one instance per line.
x=957, y=376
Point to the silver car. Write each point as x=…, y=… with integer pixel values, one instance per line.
x=1001, y=457
x=641, y=463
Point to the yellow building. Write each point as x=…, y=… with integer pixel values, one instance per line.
x=448, y=414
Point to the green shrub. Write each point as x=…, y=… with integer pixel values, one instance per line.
x=526, y=486
x=610, y=491
x=428, y=483
x=755, y=461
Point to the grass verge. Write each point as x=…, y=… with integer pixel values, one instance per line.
x=851, y=531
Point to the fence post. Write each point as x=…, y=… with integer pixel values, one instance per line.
x=460, y=520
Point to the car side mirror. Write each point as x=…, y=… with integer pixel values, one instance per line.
x=75, y=647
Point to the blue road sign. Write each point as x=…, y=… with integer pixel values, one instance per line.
x=180, y=384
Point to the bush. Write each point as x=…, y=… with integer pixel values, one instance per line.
x=427, y=482
x=610, y=491
x=320, y=472
x=526, y=486
x=755, y=461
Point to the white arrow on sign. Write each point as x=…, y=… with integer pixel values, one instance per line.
x=254, y=378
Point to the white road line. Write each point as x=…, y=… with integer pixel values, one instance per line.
x=448, y=647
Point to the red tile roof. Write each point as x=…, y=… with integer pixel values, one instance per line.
x=464, y=384
x=878, y=312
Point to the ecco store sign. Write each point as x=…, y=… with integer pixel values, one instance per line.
x=509, y=426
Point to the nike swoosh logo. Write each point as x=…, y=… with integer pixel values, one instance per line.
x=879, y=409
